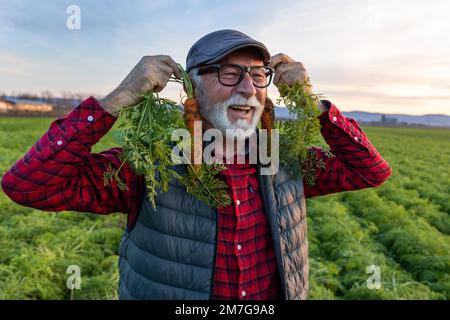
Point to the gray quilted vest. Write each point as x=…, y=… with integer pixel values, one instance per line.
x=170, y=252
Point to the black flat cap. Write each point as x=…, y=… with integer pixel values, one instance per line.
x=216, y=45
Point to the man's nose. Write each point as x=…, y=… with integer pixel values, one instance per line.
x=246, y=87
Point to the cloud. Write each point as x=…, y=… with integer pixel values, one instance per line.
x=371, y=54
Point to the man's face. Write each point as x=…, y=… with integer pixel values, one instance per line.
x=219, y=104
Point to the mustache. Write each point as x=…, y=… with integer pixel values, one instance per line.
x=237, y=100
x=217, y=114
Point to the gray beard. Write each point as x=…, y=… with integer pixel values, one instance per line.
x=217, y=116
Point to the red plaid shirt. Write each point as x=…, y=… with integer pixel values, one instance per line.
x=60, y=173
x=246, y=267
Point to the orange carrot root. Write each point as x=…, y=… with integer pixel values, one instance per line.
x=192, y=114
x=267, y=118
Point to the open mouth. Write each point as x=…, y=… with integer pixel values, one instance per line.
x=241, y=108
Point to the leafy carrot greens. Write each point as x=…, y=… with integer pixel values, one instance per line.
x=145, y=131
x=299, y=133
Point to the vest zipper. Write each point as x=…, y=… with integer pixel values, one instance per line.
x=215, y=254
x=266, y=208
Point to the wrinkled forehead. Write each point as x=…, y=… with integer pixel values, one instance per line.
x=245, y=56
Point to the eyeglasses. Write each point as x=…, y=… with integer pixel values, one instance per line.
x=232, y=74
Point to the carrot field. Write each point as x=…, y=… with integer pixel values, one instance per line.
x=401, y=229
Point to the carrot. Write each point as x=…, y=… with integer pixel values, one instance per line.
x=301, y=132
x=147, y=141
x=192, y=114
x=267, y=120
x=267, y=117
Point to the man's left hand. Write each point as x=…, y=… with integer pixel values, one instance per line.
x=287, y=70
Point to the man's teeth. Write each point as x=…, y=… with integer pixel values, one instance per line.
x=245, y=108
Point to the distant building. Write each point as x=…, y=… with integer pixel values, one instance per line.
x=21, y=106
x=6, y=106
x=387, y=120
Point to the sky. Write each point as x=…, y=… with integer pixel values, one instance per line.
x=388, y=56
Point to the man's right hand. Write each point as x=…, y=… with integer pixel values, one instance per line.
x=151, y=73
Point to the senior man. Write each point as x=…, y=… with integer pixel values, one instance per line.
x=256, y=247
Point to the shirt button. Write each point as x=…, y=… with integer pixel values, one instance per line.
x=90, y=118
x=334, y=119
x=239, y=247
x=238, y=202
x=59, y=142
x=356, y=138
x=243, y=293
